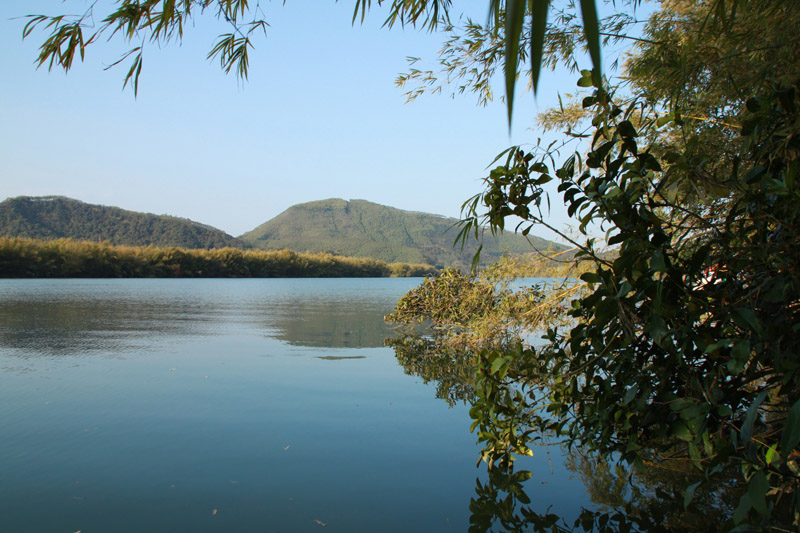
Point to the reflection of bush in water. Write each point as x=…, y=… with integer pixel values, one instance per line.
x=652, y=495
x=453, y=371
x=647, y=499
x=328, y=323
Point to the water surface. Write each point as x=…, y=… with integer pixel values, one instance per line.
x=228, y=405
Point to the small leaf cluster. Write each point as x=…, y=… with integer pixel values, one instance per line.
x=156, y=22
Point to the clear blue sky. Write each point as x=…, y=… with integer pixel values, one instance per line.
x=320, y=117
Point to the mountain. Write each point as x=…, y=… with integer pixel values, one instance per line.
x=355, y=228
x=364, y=229
x=55, y=217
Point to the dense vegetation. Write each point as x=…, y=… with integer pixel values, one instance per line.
x=65, y=258
x=57, y=217
x=684, y=345
x=363, y=229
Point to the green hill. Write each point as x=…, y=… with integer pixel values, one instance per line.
x=363, y=229
x=56, y=217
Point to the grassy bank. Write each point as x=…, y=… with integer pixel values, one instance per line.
x=65, y=258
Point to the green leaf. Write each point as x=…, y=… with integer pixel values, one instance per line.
x=707, y=445
x=757, y=490
x=476, y=259
x=771, y=455
x=591, y=28
x=657, y=262
x=694, y=454
x=626, y=129
x=586, y=79
x=630, y=394
x=687, y=498
x=742, y=509
x=750, y=417
x=681, y=431
x=746, y=318
x=591, y=277
x=741, y=350
x=791, y=431
x=740, y=354
x=724, y=411
x=500, y=365
x=666, y=119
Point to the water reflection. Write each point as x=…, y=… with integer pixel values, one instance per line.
x=322, y=321
x=451, y=372
x=648, y=498
x=86, y=317
x=83, y=326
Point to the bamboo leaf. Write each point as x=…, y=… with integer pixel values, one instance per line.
x=515, y=16
x=591, y=29
x=539, y=10
x=476, y=259
x=133, y=74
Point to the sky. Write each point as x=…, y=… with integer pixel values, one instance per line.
x=319, y=117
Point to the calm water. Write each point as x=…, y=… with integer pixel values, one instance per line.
x=229, y=405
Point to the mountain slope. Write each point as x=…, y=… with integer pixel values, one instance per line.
x=54, y=217
x=365, y=229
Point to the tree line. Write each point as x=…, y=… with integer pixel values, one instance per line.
x=66, y=258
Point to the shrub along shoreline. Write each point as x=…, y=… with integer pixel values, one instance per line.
x=66, y=258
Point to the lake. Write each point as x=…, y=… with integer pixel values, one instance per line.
x=230, y=405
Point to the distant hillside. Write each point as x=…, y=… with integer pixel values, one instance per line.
x=363, y=229
x=55, y=217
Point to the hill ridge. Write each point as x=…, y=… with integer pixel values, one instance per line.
x=355, y=228
x=54, y=217
x=361, y=228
